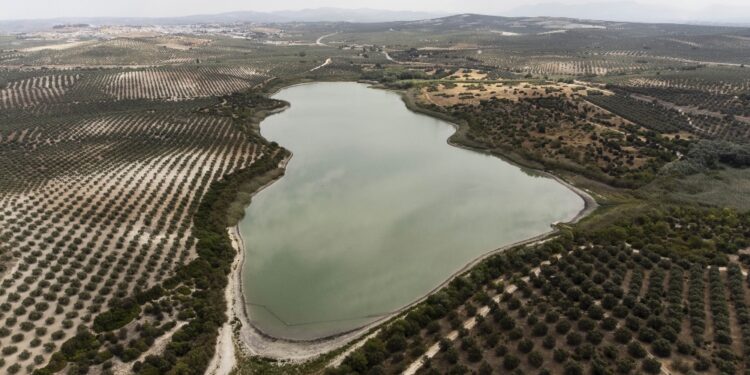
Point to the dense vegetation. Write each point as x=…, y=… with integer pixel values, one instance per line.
x=568, y=135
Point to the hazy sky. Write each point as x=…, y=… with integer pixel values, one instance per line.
x=27, y=9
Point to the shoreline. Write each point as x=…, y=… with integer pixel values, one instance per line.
x=251, y=341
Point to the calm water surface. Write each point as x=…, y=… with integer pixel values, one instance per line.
x=375, y=210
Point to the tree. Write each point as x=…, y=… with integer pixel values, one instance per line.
x=636, y=350
x=608, y=323
x=501, y=350
x=624, y=366
x=572, y=368
x=535, y=359
x=662, y=348
x=539, y=329
x=397, y=342
x=549, y=342
x=485, y=369
x=559, y=355
x=357, y=361
x=510, y=362
x=573, y=339
x=525, y=346
x=474, y=354
x=451, y=355
x=651, y=366
x=622, y=335
x=595, y=337
x=562, y=327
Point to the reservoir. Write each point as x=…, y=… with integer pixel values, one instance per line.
x=375, y=210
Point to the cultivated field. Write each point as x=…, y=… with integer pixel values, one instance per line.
x=126, y=152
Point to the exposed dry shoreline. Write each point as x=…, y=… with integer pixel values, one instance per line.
x=251, y=341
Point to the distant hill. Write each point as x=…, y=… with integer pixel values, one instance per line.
x=535, y=18
x=362, y=15
x=630, y=11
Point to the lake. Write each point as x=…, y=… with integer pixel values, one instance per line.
x=375, y=210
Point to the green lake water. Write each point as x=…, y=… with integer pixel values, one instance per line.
x=375, y=210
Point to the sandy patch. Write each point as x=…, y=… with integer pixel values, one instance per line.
x=552, y=32
x=327, y=62
x=56, y=47
x=505, y=33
